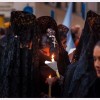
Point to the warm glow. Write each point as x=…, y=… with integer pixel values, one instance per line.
x=49, y=76
x=52, y=58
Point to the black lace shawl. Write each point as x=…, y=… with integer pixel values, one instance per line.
x=19, y=63
x=63, y=60
x=83, y=74
x=6, y=57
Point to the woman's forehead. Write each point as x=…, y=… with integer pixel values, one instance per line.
x=96, y=51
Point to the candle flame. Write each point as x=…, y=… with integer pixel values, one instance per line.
x=49, y=76
x=52, y=58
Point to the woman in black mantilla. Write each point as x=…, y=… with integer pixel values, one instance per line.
x=94, y=89
x=7, y=42
x=63, y=62
x=47, y=25
x=19, y=57
x=80, y=75
x=49, y=29
x=26, y=32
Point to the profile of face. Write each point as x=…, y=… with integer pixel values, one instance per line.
x=48, y=43
x=44, y=45
x=63, y=42
x=96, y=55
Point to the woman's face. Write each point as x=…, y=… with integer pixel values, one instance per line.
x=63, y=42
x=45, y=46
x=48, y=43
x=96, y=55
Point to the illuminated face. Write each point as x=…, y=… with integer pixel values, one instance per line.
x=48, y=42
x=96, y=55
x=45, y=47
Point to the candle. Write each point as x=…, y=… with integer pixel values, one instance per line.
x=52, y=58
x=57, y=73
x=49, y=86
x=49, y=76
x=53, y=64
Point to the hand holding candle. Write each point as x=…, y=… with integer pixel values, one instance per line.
x=53, y=65
x=50, y=81
x=52, y=58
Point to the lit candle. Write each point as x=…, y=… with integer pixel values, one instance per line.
x=57, y=73
x=49, y=76
x=52, y=58
x=49, y=86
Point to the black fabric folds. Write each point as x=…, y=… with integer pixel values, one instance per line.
x=83, y=70
x=19, y=57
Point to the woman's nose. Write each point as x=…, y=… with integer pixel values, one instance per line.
x=97, y=63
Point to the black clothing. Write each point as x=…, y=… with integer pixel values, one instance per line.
x=63, y=61
x=18, y=60
x=94, y=90
x=45, y=23
x=81, y=73
x=6, y=56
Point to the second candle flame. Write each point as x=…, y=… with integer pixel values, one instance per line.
x=49, y=76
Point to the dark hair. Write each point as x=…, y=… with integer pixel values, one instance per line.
x=98, y=44
x=62, y=35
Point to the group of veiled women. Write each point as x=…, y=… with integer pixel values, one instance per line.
x=30, y=41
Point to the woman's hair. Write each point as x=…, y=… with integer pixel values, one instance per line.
x=62, y=35
x=62, y=30
x=98, y=44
